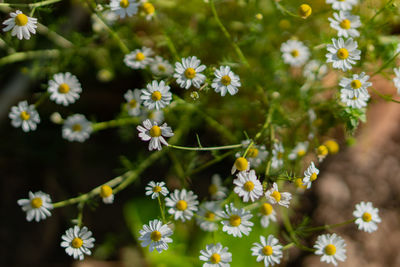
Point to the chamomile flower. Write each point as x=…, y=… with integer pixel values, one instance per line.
x=267, y=214
x=225, y=81
x=24, y=116
x=314, y=70
x=148, y=9
x=343, y=54
x=161, y=67
x=255, y=155
x=236, y=221
x=332, y=146
x=64, y=88
x=76, y=128
x=77, y=242
x=124, y=8
x=357, y=85
x=216, y=189
x=248, y=186
x=182, y=204
x=240, y=164
x=346, y=24
x=157, y=235
x=188, y=72
x=331, y=247
x=156, y=95
x=277, y=156
x=154, y=133
x=275, y=197
x=207, y=217
x=295, y=53
x=268, y=250
x=367, y=217
x=139, y=58
x=106, y=193
x=396, y=79
x=155, y=189
x=351, y=100
x=310, y=175
x=22, y=26
x=133, y=102
x=37, y=207
x=215, y=256
x=342, y=4
x=298, y=151
x=322, y=152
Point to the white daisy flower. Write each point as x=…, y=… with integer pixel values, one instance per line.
x=77, y=242
x=310, y=175
x=268, y=250
x=148, y=9
x=298, y=151
x=154, y=133
x=24, y=116
x=64, y=88
x=295, y=53
x=351, y=100
x=342, y=4
x=343, y=54
x=346, y=24
x=248, y=186
x=314, y=70
x=155, y=189
x=240, y=164
x=124, y=7
x=106, y=193
x=182, y=204
x=161, y=67
x=225, y=81
x=133, y=102
x=267, y=214
x=157, y=235
x=236, y=221
x=188, y=72
x=215, y=256
x=367, y=217
x=139, y=58
x=216, y=190
x=76, y=128
x=256, y=153
x=396, y=79
x=37, y=207
x=207, y=217
x=275, y=197
x=277, y=156
x=357, y=85
x=157, y=95
x=331, y=248
x=21, y=25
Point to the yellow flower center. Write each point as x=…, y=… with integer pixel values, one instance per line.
x=181, y=205
x=212, y=189
x=161, y=68
x=305, y=11
x=301, y=152
x=367, y=217
x=322, y=150
x=148, y=8
x=252, y=153
x=105, y=191
x=248, y=186
x=21, y=20
x=156, y=96
x=276, y=195
x=299, y=183
x=342, y=53
x=345, y=24
x=63, y=88
x=190, y=73
x=24, y=115
x=266, y=209
x=313, y=177
x=76, y=128
x=267, y=250
x=36, y=202
x=226, y=80
x=354, y=98
x=332, y=145
x=155, y=236
x=284, y=24
x=157, y=189
x=355, y=84
x=235, y=220
x=140, y=56
x=295, y=53
x=330, y=250
x=280, y=155
x=124, y=3
x=76, y=242
x=133, y=103
x=209, y=215
x=215, y=258
x=155, y=131
x=241, y=164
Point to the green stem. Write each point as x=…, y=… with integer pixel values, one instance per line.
x=161, y=209
x=385, y=65
x=287, y=246
x=328, y=226
x=80, y=213
x=42, y=98
x=206, y=148
x=211, y=162
x=33, y=5
x=98, y=126
x=21, y=56
x=385, y=97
